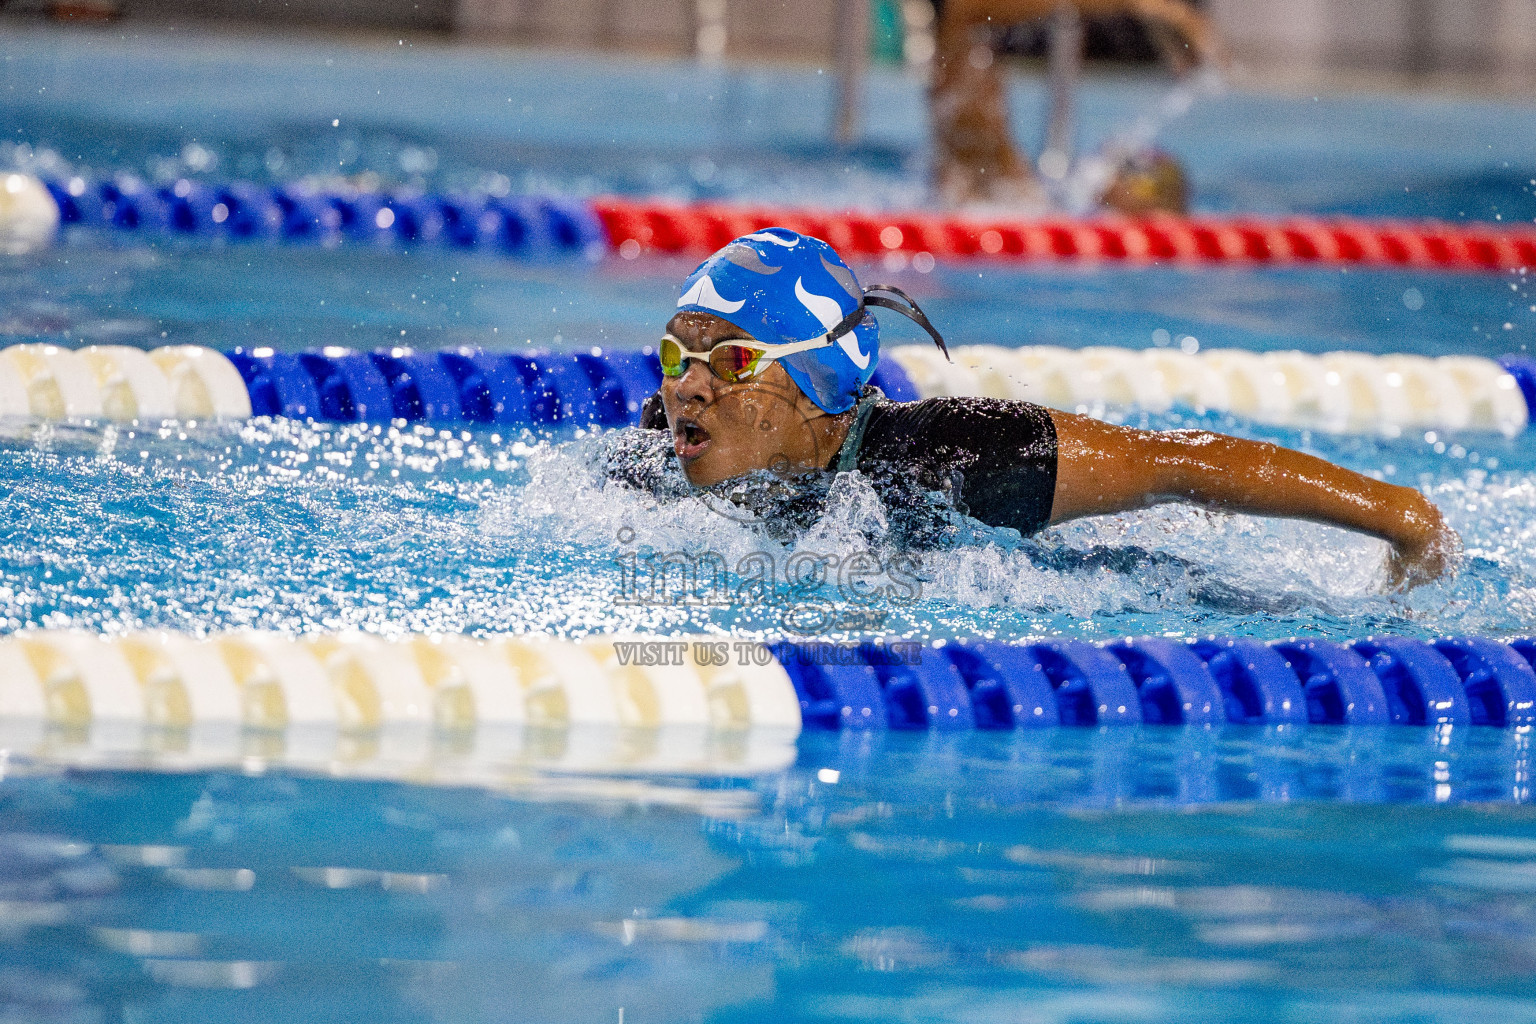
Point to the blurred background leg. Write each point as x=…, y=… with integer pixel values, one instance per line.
x=1065, y=70
x=852, y=45
x=974, y=156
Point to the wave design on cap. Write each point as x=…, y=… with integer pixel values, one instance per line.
x=703, y=294
x=826, y=310
x=769, y=236
x=746, y=257
x=830, y=313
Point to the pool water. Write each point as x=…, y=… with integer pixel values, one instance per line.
x=1121, y=875
x=1072, y=875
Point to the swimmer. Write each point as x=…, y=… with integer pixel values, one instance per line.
x=767, y=366
x=975, y=160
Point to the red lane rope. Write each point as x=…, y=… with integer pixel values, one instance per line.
x=1429, y=245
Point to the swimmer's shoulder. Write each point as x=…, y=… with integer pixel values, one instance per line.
x=994, y=458
x=954, y=427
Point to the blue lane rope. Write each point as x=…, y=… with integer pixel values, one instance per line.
x=1523, y=369
x=528, y=226
x=985, y=684
x=531, y=388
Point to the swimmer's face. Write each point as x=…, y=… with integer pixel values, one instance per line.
x=721, y=430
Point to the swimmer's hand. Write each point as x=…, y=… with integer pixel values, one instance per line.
x=1424, y=550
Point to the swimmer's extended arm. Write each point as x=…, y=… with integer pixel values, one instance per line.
x=1103, y=468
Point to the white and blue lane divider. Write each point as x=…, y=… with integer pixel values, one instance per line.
x=362, y=683
x=538, y=390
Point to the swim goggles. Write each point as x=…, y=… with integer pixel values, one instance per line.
x=741, y=359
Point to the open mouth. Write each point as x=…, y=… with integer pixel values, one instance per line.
x=689, y=439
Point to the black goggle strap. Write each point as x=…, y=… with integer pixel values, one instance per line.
x=902, y=304
x=847, y=323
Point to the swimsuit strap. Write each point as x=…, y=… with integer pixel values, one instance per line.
x=848, y=454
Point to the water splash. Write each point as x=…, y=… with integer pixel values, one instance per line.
x=278, y=525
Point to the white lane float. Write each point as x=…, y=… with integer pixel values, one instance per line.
x=85, y=677
x=651, y=695
x=562, y=684
x=131, y=386
x=361, y=683
x=281, y=684
x=1375, y=398
x=472, y=683
x=1341, y=392
x=204, y=384
x=120, y=384
x=1188, y=380
x=1310, y=395
x=743, y=694
x=1491, y=393
x=1121, y=377
x=184, y=680
x=29, y=217
x=15, y=403
x=1255, y=389
x=933, y=376
x=59, y=385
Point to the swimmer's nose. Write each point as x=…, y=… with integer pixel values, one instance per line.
x=696, y=383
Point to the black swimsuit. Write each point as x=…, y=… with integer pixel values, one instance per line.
x=989, y=459
x=994, y=459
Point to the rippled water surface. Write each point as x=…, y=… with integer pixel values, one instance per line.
x=1122, y=875
x=280, y=526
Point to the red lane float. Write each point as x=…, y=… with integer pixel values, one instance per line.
x=702, y=228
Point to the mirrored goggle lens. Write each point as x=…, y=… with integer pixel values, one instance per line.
x=671, y=354
x=733, y=363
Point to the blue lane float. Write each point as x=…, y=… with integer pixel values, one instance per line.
x=454, y=387
x=981, y=684
x=533, y=389
x=1339, y=685
x=1420, y=685
x=279, y=383
x=1008, y=688
x=1523, y=369
x=536, y=227
x=1173, y=684
x=1499, y=682
x=1257, y=685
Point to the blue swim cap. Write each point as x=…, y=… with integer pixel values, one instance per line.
x=781, y=286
